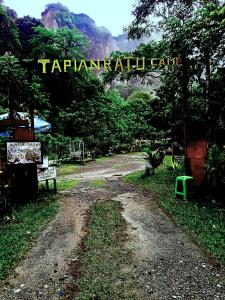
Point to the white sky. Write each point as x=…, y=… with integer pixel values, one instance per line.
x=112, y=14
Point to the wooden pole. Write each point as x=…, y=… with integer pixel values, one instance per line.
x=55, y=186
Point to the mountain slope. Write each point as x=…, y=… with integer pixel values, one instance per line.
x=102, y=43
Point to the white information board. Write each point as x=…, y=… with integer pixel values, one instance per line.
x=24, y=153
x=45, y=174
x=44, y=165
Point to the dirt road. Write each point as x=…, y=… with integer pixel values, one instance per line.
x=167, y=264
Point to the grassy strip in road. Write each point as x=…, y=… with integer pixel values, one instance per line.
x=121, y=165
x=67, y=169
x=103, y=159
x=16, y=238
x=103, y=265
x=62, y=184
x=95, y=183
x=67, y=184
x=205, y=223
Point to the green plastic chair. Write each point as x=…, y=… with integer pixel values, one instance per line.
x=184, y=186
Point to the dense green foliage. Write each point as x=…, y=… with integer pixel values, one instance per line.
x=26, y=27
x=9, y=41
x=191, y=95
x=77, y=104
x=189, y=99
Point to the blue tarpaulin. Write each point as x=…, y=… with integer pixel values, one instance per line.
x=40, y=125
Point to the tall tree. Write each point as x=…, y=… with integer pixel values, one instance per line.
x=9, y=41
x=144, y=10
x=18, y=91
x=26, y=27
x=13, y=82
x=61, y=44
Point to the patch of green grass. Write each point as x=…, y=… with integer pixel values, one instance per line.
x=16, y=238
x=205, y=223
x=97, y=183
x=62, y=184
x=103, y=159
x=67, y=184
x=66, y=169
x=121, y=165
x=106, y=257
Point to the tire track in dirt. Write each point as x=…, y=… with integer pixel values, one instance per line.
x=167, y=263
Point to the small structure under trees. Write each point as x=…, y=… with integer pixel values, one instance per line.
x=77, y=150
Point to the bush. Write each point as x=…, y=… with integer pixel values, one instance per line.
x=174, y=166
x=215, y=167
x=154, y=160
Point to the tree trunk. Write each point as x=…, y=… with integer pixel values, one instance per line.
x=184, y=87
x=207, y=94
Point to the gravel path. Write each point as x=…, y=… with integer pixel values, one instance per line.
x=167, y=264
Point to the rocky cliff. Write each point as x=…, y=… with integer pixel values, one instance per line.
x=122, y=43
x=102, y=43
x=49, y=19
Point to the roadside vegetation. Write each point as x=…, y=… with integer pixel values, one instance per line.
x=106, y=258
x=62, y=184
x=204, y=222
x=24, y=224
x=18, y=234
